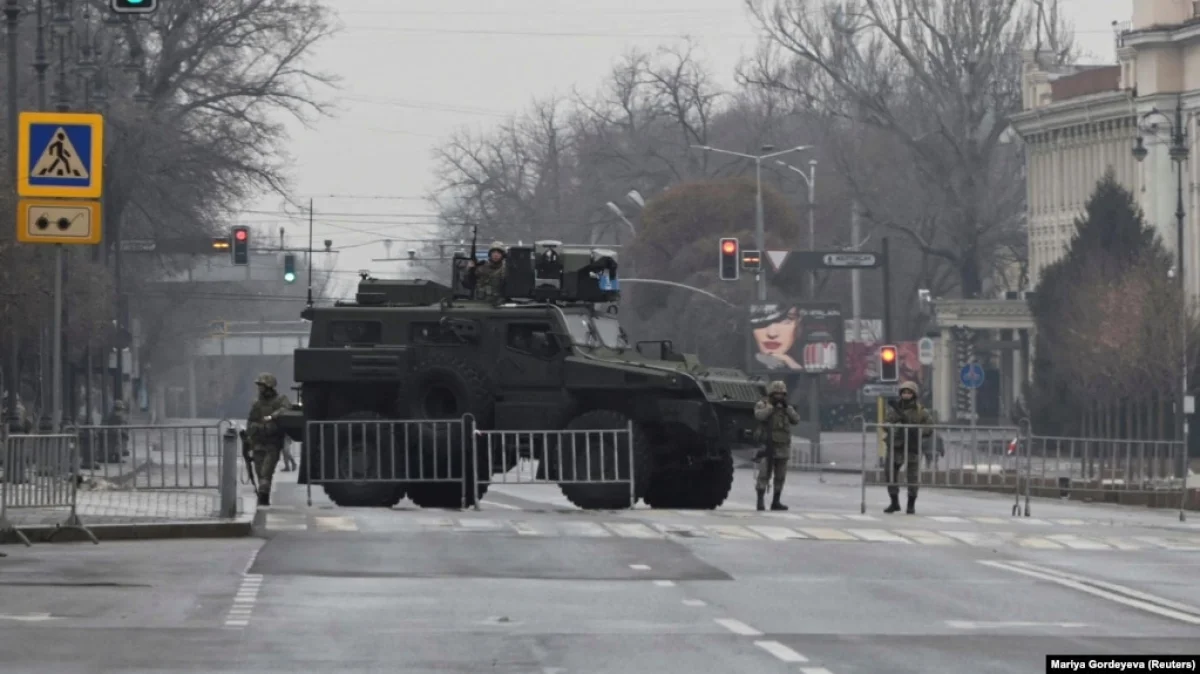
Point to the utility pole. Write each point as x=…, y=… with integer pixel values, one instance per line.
x=855, y=275
x=12, y=16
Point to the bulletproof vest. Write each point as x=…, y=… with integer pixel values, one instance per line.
x=777, y=428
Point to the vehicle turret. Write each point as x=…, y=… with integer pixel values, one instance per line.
x=549, y=271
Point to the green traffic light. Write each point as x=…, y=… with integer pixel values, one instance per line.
x=289, y=277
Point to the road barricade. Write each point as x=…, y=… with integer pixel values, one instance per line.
x=940, y=456
x=587, y=464
x=41, y=473
x=424, y=458
x=153, y=457
x=1134, y=472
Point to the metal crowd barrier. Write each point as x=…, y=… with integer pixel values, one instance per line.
x=984, y=458
x=1135, y=472
x=601, y=457
x=388, y=451
x=153, y=457
x=1012, y=460
x=41, y=472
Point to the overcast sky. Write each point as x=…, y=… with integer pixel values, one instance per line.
x=414, y=71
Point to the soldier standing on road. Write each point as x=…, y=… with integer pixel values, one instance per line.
x=775, y=420
x=266, y=440
x=487, y=278
x=904, y=448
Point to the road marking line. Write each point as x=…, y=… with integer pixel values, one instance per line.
x=828, y=534
x=639, y=567
x=1166, y=544
x=242, y=600
x=525, y=529
x=1069, y=523
x=925, y=537
x=946, y=518
x=693, y=602
x=281, y=523
x=253, y=576
x=681, y=530
x=785, y=516
x=822, y=516
x=440, y=522
x=974, y=625
x=878, y=536
x=584, y=529
x=987, y=520
x=780, y=651
x=814, y=670
x=480, y=524
x=863, y=518
x=1085, y=585
x=500, y=505
x=777, y=533
x=335, y=524
x=737, y=627
x=1112, y=587
x=632, y=530
x=665, y=583
x=979, y=539
x=241, y=610
x=1032, y=521
x=733, y=532
x=1120, y=544
x=1038, y=543
x=236, y=623
x=1077, y=543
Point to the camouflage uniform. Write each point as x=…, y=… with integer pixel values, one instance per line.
x=489, y=276
x=776, y=418
x=905, y=444
x=266, y=440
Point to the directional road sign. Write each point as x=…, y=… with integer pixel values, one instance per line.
x=971, y=375
x=925, y=351
x=881, y=390
x=849, y=260
x=55, y=221
x=60, y=155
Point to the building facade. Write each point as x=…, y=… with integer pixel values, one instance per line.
x=1081, y=121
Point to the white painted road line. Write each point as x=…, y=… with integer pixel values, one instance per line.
x=814, y=670
x=236, y=623
x=925, y=537
x=1086, y=585
x=780, y=651
x=632, y=530
x=1113, y=587
x=501, y=505
x=878, y=536
x=776, y=533
x=828, y=534
x=737, y=627
x=693, y=602
x=639, y=567
x=665, y=583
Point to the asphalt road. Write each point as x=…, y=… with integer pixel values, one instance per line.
x=530, y=585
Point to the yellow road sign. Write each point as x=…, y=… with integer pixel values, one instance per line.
x=58, y=221
x=60, y=155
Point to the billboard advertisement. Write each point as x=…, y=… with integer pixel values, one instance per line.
x=796, y=337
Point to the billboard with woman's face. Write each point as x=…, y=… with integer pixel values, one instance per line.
x=796, y=337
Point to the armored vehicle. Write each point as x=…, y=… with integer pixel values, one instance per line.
x=551, y=356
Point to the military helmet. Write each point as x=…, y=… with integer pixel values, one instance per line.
x=497, y=245
x=777, y=387
x=266, y=379
x=911, y=386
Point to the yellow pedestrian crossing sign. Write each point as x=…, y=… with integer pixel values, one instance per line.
x=61, y=155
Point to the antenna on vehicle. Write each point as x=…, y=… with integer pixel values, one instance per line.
x=310, y=251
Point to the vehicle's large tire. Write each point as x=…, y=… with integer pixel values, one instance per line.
x=616, y=463
x=444, y=387
x=704, y=487
x=358, y=457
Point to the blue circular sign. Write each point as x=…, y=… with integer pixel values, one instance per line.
x=971, y=375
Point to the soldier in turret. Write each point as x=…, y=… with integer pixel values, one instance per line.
x=487, y=278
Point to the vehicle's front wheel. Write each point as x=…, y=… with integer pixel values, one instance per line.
x=606, y=459
x=356, y=466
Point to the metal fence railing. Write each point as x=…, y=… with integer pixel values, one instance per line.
x=118, y=474
x=41, y=473
x=363, y=458
x=1011, y=460
x=594, y=468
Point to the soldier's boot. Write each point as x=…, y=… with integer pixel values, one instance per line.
x=894, y=494
x=775, y=504
x=761, y=495
x=264, y=498
x=912, y=502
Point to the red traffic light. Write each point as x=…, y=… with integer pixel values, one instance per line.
x=887, y=354
x=729, y=247
x=240, y=234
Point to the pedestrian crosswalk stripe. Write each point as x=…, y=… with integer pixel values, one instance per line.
x=863, y=518
x=750, y=532
x=987, y=520
x=824, y=516
x=946, y=518
x=828, y=534
x=1032, y=520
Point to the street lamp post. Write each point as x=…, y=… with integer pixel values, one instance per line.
x=759, y=228
x=12, y=17
x=1178, y=152
x=810, y=179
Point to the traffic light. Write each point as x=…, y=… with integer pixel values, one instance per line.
x=889, y=364
x=133, y=6
x=241, y=245
x=751, y=260
x=729, y=260
x=220, y=243
x=289, y=268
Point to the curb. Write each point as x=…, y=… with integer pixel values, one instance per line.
x=239, y=528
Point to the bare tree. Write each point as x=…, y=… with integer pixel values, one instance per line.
x=936, y=76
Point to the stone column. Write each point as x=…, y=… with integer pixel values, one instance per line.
x=1008, y=386
x=944, y=375
x=1021, y=360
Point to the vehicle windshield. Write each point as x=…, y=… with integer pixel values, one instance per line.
x=594, y=332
